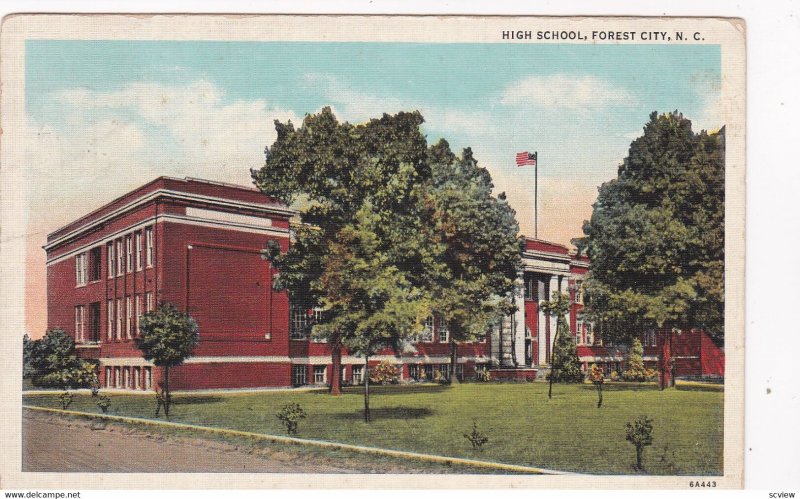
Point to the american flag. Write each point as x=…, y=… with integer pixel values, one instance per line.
x=526, y=159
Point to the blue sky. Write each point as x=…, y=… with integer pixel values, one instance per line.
x=106, y=116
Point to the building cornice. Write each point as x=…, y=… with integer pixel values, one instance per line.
x=268, y=209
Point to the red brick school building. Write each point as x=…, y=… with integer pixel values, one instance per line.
x=197, y=244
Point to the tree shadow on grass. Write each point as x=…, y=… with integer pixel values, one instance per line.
x=188, y=400
x=387, y=413
x=622, y=387
x=395, y=389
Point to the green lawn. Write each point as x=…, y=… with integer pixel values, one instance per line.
x=567, y=433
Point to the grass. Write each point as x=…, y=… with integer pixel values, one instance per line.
x=568, y=433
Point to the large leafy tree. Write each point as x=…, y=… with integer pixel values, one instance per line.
x=52, y=362
x=392, y=231
x=167, y=338
x=656, y=236
x=474, y=247
x=355, y=184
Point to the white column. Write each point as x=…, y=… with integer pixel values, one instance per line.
x=541, y=324
x=553, y=319
x=519, y=340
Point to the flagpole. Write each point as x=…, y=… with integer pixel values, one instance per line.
x=536, y=199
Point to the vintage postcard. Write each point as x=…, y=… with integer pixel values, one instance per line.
x=332, y=251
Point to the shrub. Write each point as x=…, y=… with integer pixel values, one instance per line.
x=384, y=373
x=290, y=416
x=484, y=375
x=640, y=434
x=614, y=376
x=476, y=437
x=103, y=403
x=51, y=362
x=635, y=363
x=65, y=399
x=597, y=378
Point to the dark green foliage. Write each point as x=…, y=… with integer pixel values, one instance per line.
x=104, y=402
x=65, y=399
x=51, y=362
x=393, y=231
x=167, y=337
x=656, y=236
x=476, y=437
x=640, y=434
x=290, y=415
x=566, y=364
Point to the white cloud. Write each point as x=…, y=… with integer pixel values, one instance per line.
x=560, y=91
x=111, y=142
x=354, y=106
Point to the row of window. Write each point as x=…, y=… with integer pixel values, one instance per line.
x=122, y=318
x=649, y=339
x=532, y=291
x=129, y=377
x=583, y=333
x=319, y=374
x=301, y=320
x=132, y=250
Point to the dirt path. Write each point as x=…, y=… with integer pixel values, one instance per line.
x=52, y=443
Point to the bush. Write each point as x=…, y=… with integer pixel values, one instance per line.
x=65, y=399
x=614, y=376
x=476, y=437
x=484, y=376
x=384, y=373
x=103, y=403
x=290, y=416
x=635, y=364
x=51, y=362
x=640, y=434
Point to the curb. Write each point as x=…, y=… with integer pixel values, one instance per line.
x=313, y=443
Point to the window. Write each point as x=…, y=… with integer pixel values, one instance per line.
x=80, y=269
x=129, y=254
x=80, y=323
x=95, y=263
x=137, y=299
x=299, y=375
x=118, y=329
x=128, y=316
x=578, y=330
x=108, y=377
x=136, y=377
x=427, y=333
x=588, y=330
x=460, y=371
x=110, y=253
x=578, y=292
x=117, y=377
x=138, y=251
x=148, y=378
x=148, y=301
x=301, y=322
x=148, y=232
x=127, y=371
x=93, y=322
x=358, y=375
x=413, y=371
x=119, y=256
x=319, y=374
x=110, y=314
x=443, y=332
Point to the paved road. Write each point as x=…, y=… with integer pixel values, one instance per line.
x=52, y=444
